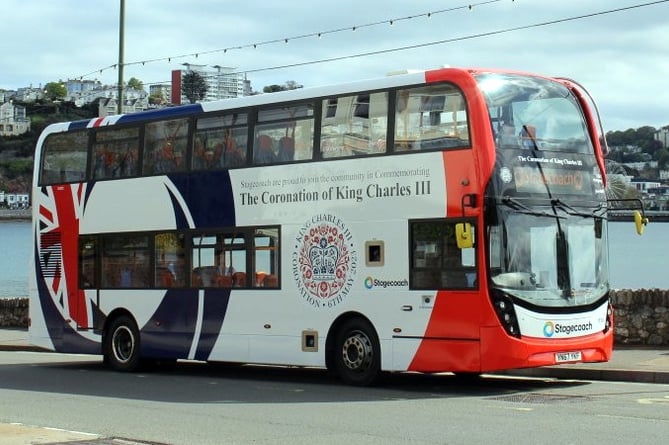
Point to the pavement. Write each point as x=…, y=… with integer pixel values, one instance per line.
x=628, y=364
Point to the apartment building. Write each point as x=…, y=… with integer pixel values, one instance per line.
x=222, y=83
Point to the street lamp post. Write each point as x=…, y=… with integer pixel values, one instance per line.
x=119, y=102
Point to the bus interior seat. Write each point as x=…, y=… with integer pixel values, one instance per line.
x=264, y=152
x=232, y=155
x=286, y=149
x=224, y=281
x=239, y=279
x=260, y=277
x=271, y=281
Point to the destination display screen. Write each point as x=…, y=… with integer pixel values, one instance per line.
x=558, y=181
x=549, y=173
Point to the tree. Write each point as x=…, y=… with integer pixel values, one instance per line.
x=55, y=91
x=289, y=85
x=136, y=84
x=272, y=88
x=193, y=86
x=156, y=98
x=662, y=157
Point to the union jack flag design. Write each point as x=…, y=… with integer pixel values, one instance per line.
x=60, y=211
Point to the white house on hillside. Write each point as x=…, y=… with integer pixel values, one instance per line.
x=14, y=200
x=13, y=120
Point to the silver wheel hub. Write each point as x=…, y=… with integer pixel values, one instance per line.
x=123, y=344
x=357, y=352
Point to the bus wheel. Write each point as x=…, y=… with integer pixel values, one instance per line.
x=357, y=353
x=121, y=350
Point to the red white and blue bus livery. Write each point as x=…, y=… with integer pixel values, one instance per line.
x=447, y=220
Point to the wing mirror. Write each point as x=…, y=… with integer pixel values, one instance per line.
x=464, y=235
x=640, y=222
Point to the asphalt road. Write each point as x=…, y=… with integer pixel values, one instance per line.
x=206, y=404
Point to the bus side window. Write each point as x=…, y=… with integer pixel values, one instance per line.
x=284, y=134
x=64, y=158
x=165, y=144
x=125, y=261
x=430, y=118
x=169, y=260
x=115, y=153
x=220, y=142
x=266, y=257
x=354, y=125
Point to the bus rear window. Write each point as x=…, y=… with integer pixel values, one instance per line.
x=64, y=158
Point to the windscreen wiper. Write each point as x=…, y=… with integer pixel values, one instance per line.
x=563, y=273
x=569, y=210
x=522, y=208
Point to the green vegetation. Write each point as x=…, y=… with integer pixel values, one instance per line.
x=193, y=86
x=289, y=85
x=638, y=146
x=136, y=84
x=55, y=91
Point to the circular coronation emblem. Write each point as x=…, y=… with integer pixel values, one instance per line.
x=505, y=174
x=324, y=261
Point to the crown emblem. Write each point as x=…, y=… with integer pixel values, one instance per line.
x=324, y=260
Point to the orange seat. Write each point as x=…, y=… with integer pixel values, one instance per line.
x=239, y=279
x=260, y=277
x=224, y=281
x=271, y=281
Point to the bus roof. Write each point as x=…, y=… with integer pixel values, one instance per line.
x=393, y=79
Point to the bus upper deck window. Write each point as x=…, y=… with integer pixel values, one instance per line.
x=65, y=157
x=354, y=125
x=431, y=118
x=165, y=144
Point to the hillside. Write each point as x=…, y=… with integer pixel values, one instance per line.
x=16, y=152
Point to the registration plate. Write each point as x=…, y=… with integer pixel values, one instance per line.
x=573, y=356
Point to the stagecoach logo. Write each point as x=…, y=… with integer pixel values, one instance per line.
x=324, y=261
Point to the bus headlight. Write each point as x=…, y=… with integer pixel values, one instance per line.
x=609, y=318
x=506, y=314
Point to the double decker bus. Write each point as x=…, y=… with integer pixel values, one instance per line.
x=445, y=220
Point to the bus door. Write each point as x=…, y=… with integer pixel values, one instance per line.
x=444, y=274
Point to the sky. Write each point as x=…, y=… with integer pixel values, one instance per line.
x=617, y=49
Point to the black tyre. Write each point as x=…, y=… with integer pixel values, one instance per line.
x=357, y=354
x=122, y=344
